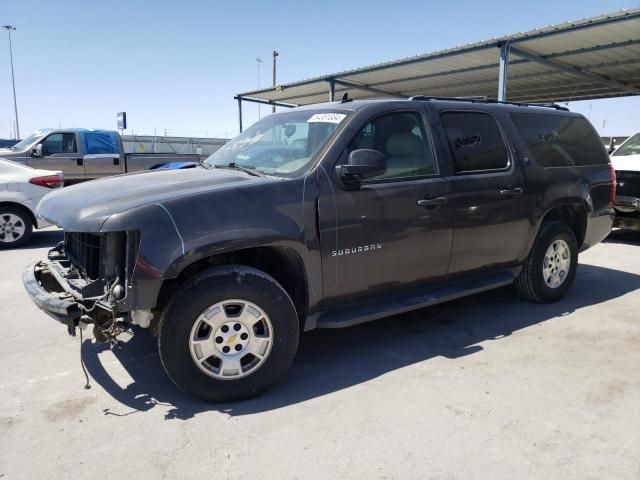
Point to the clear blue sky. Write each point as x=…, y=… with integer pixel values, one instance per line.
x=177, y=65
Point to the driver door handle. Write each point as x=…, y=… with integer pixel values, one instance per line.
x=432, y=202
x=512, y=191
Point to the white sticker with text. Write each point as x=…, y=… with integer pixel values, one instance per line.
x=327, y=117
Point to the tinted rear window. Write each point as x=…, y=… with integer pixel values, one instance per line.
x=475, y=142
x=560, y=141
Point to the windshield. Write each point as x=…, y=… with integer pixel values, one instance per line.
x=281, y=144
x=630, y=147
x=28, y=141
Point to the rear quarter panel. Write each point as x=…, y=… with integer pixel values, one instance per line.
x=585, y=187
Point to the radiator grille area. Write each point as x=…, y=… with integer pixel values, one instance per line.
x=628, y=183
x=83, y=251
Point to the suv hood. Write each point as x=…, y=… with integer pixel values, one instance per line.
x=627, y=163
x=86, y=206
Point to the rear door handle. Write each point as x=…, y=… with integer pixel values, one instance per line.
x=512, y=191
x=432, y=202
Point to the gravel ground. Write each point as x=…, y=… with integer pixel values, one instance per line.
x=484, y=387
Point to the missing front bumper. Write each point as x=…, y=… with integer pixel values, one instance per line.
x=49, y=296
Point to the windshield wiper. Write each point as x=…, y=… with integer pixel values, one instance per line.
x=249, y=170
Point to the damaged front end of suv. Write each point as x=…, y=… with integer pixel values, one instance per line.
x=121, y=242
x=626, y=161
x=85, y=279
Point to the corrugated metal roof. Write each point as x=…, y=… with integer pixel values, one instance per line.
x=596, y=57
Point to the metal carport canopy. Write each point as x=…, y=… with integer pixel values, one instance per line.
x=597, y=57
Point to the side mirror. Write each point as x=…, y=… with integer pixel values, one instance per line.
x=362, y=164
x=37, y=151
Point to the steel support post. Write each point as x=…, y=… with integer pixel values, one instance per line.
x=503, y=74
x=332, y=89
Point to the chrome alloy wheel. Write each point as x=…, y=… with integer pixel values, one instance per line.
x=12, y=228
x=557, y=262
x=231, y=339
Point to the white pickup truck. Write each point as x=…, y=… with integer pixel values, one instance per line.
x=626, y=162
x=85, y=154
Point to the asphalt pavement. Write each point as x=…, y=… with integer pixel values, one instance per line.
x=487, y=387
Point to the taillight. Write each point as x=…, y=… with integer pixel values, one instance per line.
x=48, y=181
x=612, y=186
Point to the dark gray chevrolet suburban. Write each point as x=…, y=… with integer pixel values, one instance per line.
x=322, y=217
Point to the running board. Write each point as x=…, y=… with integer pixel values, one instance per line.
x=347, y=316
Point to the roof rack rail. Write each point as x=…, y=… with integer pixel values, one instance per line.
x=548, y=105
x=488, y=100
x=468, y=99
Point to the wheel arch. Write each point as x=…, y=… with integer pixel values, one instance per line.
x=21, y=207
x=573, y=214
x=283, y=263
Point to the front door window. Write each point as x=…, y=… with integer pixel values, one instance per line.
x=59, y=143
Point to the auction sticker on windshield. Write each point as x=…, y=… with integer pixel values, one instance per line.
x=327, y=117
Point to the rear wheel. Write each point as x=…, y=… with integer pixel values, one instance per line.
x=550, y=268
x=15, y=227
x=228, y=334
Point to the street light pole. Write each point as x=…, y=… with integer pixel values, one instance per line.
x=8, y=28
x=275, y=54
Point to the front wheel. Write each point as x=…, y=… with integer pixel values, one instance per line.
x=549, y=270
x=228, y=334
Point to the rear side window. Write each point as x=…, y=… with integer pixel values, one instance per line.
x=475, y=142
x=560, y=141
x=100, y=142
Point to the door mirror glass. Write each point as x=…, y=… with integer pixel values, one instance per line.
x=362, y=164
x=36, y=151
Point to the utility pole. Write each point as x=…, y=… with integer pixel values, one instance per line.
x=258, y=61
x=275, y=54
x=9, y=28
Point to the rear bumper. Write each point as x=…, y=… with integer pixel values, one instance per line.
x=49, y=294
x=598, y=228
x=627, y=212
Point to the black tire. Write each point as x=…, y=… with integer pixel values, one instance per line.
x=206, y=289
x=25, y=219
x=531, y=284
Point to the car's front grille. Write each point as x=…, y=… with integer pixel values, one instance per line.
x=628, y=183
x=83, y=250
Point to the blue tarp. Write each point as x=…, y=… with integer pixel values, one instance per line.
x=8, y=143
x=100, y=141
x=174, y=166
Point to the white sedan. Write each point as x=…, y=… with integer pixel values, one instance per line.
x=21, y=188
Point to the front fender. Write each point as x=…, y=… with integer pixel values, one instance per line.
x=179, y=232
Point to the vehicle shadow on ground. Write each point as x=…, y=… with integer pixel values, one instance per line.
x=627, y=237
x=43, y=239
x=331, y=360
